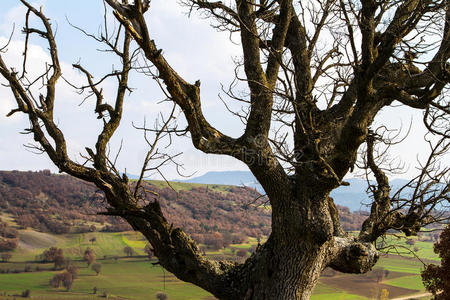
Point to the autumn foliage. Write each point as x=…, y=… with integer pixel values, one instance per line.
x=437, y=278
x=8, y=237
x=61, y=204
x=89, y=256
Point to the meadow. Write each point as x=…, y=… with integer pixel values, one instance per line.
x=138, y=278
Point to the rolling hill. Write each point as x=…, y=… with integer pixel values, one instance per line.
x=62, y=204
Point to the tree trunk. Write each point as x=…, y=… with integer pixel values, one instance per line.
x=289, y=264
x=285, y=276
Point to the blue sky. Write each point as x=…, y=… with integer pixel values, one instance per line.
x=193, y=48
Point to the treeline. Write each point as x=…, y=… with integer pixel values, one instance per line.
x=62, y=204
x=53, y=203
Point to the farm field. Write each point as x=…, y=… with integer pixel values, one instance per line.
x=137, y=278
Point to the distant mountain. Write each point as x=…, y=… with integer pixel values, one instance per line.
x=353, y=196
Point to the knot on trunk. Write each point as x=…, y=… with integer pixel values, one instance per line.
x=350, y=256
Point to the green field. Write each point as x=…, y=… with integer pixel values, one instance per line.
x=187, y=186
x=130, y=278
x=137, y=278
x=425, y=249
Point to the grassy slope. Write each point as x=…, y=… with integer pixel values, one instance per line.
x=425, y=248
x=186, y=186
x=136, y=278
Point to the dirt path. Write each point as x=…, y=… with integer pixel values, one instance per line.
x=412, y=296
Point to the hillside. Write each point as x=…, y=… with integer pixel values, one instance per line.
x=62, y=204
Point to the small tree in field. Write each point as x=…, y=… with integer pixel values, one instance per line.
x=128, y=251
x=89, y=256
x=93, y=240
x=52, y=254
x=437, y=278
x=65, y=279
x=59, y=260
x=96, y=267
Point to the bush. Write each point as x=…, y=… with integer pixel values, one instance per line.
x=161, y=296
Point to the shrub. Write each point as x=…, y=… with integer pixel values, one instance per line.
x=161, y=296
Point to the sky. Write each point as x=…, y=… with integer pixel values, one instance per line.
x=192, y=47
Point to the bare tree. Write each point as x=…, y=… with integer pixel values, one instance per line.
x=307, y=109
